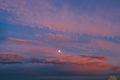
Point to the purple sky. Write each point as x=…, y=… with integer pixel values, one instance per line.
x=87, y=32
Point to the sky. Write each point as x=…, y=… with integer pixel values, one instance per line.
x=59, y=39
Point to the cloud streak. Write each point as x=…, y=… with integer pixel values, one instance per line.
x=18, y=40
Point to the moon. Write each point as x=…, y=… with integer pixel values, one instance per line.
x=59, y=51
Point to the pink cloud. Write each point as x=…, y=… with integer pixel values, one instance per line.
x=25, y=41
x=80, y=64
x=18, y=40
x=107, y=45
x=61, y=19
x=65, y=58
x=74, y=63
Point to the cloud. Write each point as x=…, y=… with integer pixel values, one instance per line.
x=86, y=63
x=18, y=40
x=10, y=58
x=70, y=59
x=61, y=26
x=11, y=39
x=106, y=45
x=61, y=17
x=58, y=37
x=68, y=44
x=89, y=64
x=64, y=58
x=69, y=41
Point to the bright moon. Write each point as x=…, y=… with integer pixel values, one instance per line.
x=59, y=51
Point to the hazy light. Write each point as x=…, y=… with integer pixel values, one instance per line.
x=59, y=51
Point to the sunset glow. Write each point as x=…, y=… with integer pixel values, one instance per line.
x=59, y=39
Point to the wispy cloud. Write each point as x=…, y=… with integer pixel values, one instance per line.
x=62, y=18
x=18, y=40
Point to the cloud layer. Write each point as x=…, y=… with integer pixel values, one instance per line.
x=86, y=64
x=63, y=17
